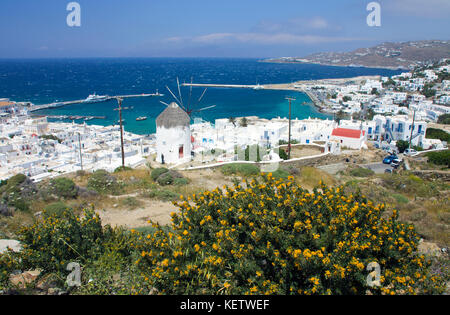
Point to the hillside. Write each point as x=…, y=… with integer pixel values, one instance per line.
x=405, y=55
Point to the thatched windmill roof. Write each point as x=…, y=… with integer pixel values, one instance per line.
x=173, y=116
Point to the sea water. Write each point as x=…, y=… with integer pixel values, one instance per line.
x=44, y=81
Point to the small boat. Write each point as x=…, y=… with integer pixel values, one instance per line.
x=96, y=98
x=142, y=118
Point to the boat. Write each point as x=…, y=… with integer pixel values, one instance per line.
x=258, y=87
x=142, y=118
x=93, y=98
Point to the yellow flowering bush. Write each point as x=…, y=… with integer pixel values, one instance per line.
x=273, y=237
x=50, y=244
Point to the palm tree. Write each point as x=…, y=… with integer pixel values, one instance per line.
x=232, y=120
x=244, y=122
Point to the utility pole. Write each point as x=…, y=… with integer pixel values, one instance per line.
x=290, y=99
x=412, y=129
x=81, y=155
x=119, y=100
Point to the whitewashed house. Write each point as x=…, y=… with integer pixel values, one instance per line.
x=173, y=136
x=349, y=138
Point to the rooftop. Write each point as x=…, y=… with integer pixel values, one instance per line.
x=348, y=133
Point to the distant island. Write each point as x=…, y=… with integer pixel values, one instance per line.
x=406, y=55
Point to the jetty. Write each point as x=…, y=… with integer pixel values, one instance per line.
x=277, y=87
x=223, y=86
x=35, y=108
x=71, y=117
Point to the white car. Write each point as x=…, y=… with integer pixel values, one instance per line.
x=411, y=152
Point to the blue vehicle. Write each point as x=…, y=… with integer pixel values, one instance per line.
x=390, y=159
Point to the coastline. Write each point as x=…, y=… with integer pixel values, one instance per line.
x=335, y=65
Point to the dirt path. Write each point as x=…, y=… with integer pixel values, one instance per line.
x=157, y=211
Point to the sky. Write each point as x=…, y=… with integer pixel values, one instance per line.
x=211, y=28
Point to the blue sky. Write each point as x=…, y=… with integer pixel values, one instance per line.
x=211, y=28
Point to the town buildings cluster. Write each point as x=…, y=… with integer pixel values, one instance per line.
x=379, y=112
x=42, y=149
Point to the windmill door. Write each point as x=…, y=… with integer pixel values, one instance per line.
x=181, y=151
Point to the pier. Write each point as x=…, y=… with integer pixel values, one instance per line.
x=35, y=108
x=277, y=87
x=71, y=117
x=223, y=86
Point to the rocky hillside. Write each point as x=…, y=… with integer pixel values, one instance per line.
x=387, y=55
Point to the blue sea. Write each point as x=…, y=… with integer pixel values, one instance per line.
x=50, y=80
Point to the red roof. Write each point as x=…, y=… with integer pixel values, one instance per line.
x=348, y=133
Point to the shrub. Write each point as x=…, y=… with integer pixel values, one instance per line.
x=63, y=187
x=181, y=181
x=103, y=183
x=158, y=172
x=402, y=146
x=56, y=209
x=57, y=240
x=273, y=237
x=165, y=179
x=438, y=134
x=105, y=254
x=361, y=172
x=131, y=202
x=122, y=169
x=161, y=194
x=240, y=169
x=281, y=174
x=444, y=119
x=17, y=193
x=400, y=198
x=283, y=155
x=410, y=185
x=440, y=158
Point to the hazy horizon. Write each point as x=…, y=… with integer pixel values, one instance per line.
x=211, y=29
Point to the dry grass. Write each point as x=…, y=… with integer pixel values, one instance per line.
x=310, y=177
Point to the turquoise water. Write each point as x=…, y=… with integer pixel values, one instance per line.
x=47, y=81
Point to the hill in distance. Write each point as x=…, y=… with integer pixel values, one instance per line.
x=405, y=55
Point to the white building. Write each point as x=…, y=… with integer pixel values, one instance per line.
x=173, y=136
x=399, y=128
x=349, y=138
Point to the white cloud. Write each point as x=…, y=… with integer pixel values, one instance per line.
x=260, y=38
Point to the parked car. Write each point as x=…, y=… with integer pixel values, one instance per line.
x=411, y=152
x=388, y=171
x=396, y=163
x=389, y=159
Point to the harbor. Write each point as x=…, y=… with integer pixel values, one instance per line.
x=71, y=117
x=94, y=99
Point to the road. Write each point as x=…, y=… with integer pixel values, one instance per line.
x=378, y=168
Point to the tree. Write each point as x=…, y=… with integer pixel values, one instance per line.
x=244, y=122
x=232, y=120
x=444, y=119
x=340, y=116
x=428, y=91
x=402, y=145
x=346, y=98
